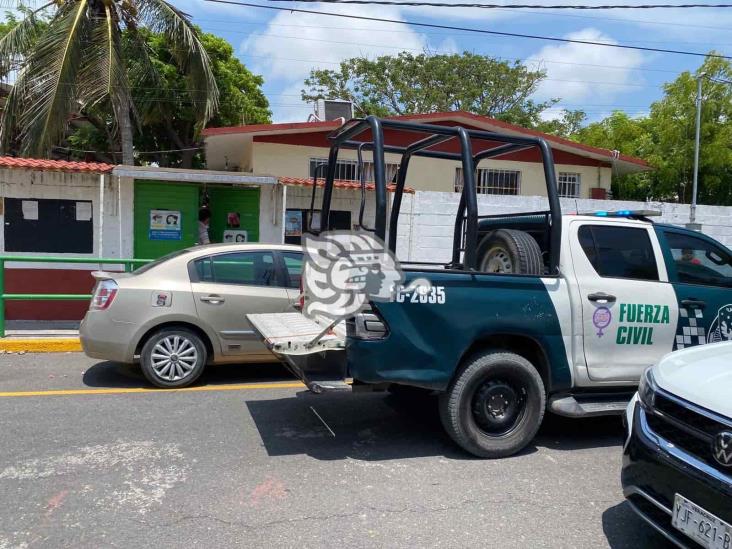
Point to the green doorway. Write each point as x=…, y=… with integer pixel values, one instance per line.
x=156, y=203
x=229, y=204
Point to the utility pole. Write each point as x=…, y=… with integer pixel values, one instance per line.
x=692, y=211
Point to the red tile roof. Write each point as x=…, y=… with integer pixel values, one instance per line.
x=257, y=128
x=54, y=165
x=339, y=184
x=308, y=127
x=513, y=127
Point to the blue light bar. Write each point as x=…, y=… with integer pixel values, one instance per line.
x=623, y=213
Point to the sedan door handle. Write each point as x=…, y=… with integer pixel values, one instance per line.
x=212, y=299
x=692, y=303
x=602, y=297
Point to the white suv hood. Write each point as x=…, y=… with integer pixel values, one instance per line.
x=701, y=375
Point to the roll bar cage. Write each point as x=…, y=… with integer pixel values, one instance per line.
x=368, y=134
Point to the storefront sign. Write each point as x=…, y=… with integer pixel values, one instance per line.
x=235, y=235
x=165, y=225
x=293, y=223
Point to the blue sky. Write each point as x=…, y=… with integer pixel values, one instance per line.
x=284, y=46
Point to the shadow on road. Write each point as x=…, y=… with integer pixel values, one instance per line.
x=624, y=529
x=382, y=426
x=115, y=375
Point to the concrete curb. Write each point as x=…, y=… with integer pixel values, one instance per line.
x=40, y=345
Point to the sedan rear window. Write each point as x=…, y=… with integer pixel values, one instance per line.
x=147, y=266
x=248, y=268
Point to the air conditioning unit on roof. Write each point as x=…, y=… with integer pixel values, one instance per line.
x=332, y=109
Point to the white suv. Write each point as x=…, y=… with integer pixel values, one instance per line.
x=677, y=467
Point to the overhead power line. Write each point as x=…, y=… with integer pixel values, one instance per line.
x=372, y=30
x=514, y=6
x=561, y=13
x=471, y=29
x=120, y=152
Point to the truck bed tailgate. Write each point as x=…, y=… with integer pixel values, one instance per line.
x=313, y=350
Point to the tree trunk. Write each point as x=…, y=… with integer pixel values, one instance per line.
x=186, y=159
x=186, y=156
x=125, y=131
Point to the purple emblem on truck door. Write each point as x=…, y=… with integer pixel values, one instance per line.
x=601, y=319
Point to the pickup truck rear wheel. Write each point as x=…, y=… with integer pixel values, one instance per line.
x=510, y=251
x=494, y=407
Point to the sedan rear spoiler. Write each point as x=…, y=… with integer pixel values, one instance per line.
x=109, y=275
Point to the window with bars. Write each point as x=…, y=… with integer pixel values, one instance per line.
x=491, y=181
x=348, y=169
x=569, y=184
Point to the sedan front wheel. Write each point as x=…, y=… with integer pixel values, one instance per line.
x=173, y=358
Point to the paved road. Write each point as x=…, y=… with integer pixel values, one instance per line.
x=239, y=464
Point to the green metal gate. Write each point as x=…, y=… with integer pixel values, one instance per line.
x=155, y=195
x=225, y=200
x=185, y=198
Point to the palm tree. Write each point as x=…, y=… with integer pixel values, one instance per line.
x=87, y=53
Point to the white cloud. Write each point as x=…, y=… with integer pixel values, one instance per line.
x=552, y=113
x=287, y=105
x=285, y=55
x=290, y=53
x=578, y=72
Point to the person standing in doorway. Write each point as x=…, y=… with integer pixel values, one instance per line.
x=204, y=218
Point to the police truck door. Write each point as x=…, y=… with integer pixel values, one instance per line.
x=629, y=311
x=700, y=270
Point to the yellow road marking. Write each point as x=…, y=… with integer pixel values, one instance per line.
x=134, y=390
x=40, y=345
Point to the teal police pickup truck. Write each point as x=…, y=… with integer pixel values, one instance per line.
x=536, y=311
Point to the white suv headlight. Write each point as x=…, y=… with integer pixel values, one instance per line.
x=647, y=389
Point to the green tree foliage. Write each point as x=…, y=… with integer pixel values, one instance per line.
x=166, y=111
x=424, y=83
x=88, y=55
x=666, y=139
x=169, y=112
x=567, y=124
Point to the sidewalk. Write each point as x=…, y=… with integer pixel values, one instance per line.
x=40, y=336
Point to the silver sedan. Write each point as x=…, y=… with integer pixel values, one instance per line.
x=188, y=309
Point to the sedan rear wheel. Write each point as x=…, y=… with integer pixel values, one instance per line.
x=173, y=357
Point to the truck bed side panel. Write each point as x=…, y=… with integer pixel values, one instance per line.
x=427, y=341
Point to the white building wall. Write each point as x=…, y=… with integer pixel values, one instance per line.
x=271, y=229
x=425, y=224
x=425, y=174
x=426, y=220
x=343, y=200
x=118, y=206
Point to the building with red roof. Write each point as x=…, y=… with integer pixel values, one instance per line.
x=290, y=151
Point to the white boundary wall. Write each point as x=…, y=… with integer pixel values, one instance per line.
x=118, y=203
x=427, y=218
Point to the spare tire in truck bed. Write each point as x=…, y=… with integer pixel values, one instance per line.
x=510, y=251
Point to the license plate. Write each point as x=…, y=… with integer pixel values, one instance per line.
x=700, y=525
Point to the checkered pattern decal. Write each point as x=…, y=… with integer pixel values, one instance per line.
x=691, y=328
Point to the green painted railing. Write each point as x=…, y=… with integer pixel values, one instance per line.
x=128, y=264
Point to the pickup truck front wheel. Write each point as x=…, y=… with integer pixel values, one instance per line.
x=495, y=405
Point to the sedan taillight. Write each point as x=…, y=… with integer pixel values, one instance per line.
x=103, y=295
